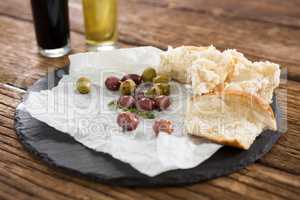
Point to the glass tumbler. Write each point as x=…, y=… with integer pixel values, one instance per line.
x=100, y=20
x=51, y=23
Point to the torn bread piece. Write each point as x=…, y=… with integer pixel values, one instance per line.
x=233, y=118
x=205, y=68
x=210, y=70
x=260, y=78
x=175, y=62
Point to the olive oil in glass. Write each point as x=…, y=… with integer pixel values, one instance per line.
x=100, y=20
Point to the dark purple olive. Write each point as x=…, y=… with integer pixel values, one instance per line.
x=112, y=83
x=162, y=125
x=128, y=121
x=162, y=102
x=145, y=104
x=135, y=77
x=126, y=101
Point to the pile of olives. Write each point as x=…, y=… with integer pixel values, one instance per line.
x=130, y=82
x=145, y=93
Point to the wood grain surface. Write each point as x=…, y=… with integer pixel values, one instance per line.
x=262, y=29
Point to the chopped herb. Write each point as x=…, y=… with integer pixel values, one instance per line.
x=133, y=110
x=113, y=105
x=145, y=114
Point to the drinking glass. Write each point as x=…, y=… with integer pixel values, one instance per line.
x=51, y=23
x=100, y=20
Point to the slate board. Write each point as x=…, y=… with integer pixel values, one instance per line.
x=60, y=150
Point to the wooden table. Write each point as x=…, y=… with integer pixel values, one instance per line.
x=262, y=29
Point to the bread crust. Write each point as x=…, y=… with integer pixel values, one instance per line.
x=254, y=101
x=246, y=99
x=223, y=141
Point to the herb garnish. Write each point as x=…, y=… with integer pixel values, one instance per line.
x=145, y=114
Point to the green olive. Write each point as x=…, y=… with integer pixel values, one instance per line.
x=83, y=85
x=161, y=79
x=127, y=87
x=154, y=91
x=164, y=87
x=148, y=74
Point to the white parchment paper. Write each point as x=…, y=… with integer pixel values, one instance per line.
x=91, y=122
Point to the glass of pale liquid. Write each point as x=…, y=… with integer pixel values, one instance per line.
x=100, y=21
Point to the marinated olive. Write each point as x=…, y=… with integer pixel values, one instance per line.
x=128, y=121
x=162, y=125
x=148, y=74
x=83, y=85
x=127, y=87
x=162, y=102
x=112, y=83
x=135, y=77
x=145, y=104
x=126, y=101
x=161, y=79
x=164, y=87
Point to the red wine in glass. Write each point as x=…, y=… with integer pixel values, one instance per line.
x=51, y=23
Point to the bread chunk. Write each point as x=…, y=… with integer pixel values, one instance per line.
x=233, y=118
x=210, y=70
x=259, y=78
x=176, y=61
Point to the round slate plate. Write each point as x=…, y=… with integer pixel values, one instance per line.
x=59, y=149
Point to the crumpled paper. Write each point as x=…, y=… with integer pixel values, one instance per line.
x=90, y=121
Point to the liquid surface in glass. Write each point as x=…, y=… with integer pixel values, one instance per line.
x=100, y=19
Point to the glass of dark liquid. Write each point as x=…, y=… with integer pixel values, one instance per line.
x=51, y=22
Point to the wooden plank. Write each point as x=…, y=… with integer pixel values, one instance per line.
x=21, y=170
x=273, y=43
x=255, y=179
x=278, y=12
x=284, y=154
x=138, y=26
x=196, y=190
x=20, y=63
x=24, y=168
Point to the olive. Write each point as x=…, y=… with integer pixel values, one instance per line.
x=128, y=121
x=148, y=74
x=164, y=87
x=135, y=77
x=126, y=101
x=162, y=102
x=161, y=79
x=127, y=87
x=83, y=85
x=112, y=83
x=162, y=125
x=145, y=104
x=154, y=91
